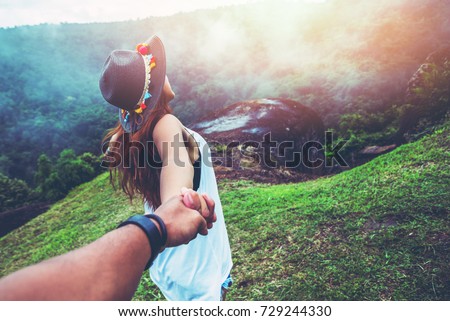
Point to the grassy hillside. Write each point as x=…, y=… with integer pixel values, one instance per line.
x=377, y=232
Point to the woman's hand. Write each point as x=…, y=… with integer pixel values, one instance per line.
x=202, y=203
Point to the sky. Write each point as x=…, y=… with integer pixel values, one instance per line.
x=32, y=12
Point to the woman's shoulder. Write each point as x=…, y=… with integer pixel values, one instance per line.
x=167, y=123
x=169, y=119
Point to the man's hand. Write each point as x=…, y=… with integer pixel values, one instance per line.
x=182, y=219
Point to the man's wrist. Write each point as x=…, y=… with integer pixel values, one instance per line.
x=154, y=232
x=157, y=225
x=161, y=228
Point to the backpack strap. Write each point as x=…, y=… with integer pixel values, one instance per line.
x=197, y=171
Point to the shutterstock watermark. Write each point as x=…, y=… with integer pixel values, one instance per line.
x=268, y=152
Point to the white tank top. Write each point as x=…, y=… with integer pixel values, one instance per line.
x=197, y=270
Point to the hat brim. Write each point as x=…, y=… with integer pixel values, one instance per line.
x=158, y=77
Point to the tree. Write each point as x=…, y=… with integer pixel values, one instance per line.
x=44, y=169
x=69, y=171
x=13, y=193
x=72, y=170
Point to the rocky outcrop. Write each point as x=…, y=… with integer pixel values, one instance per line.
x=427, y=97
x=261, y=134
x=370, y=152
x=251, y=120
x=377, y=150
x=427, y=73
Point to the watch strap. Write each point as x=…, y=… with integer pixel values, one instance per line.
x=162, y=227
x=151, y=230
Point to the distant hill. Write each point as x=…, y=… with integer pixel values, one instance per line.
x=376, y=232
x=335, y=57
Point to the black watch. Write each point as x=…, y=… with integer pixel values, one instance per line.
x=156, y=239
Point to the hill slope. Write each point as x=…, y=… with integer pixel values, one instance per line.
x=377, y=232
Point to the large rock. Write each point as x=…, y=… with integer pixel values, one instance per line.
x=427, y=96
x=427, y=74
x=246, y=125
x=377, y=150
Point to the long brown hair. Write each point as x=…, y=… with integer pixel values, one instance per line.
x=137, y=165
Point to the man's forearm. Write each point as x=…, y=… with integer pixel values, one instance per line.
x=111, y=267
x=107, y=269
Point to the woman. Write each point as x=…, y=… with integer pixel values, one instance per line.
x=155, y=156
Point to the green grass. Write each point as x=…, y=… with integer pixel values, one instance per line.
x=376, y=232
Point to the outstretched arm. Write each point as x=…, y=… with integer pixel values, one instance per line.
x=111, y=267
x=177, y=170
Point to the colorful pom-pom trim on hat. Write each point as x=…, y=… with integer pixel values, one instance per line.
x=125, y=115
x=150, y=63
x=143, y=49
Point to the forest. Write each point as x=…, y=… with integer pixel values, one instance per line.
x=350, y=61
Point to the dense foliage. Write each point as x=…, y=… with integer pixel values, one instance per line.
x=338, y=57
x=53, y=179
x=13, y=193
x=426, y=105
